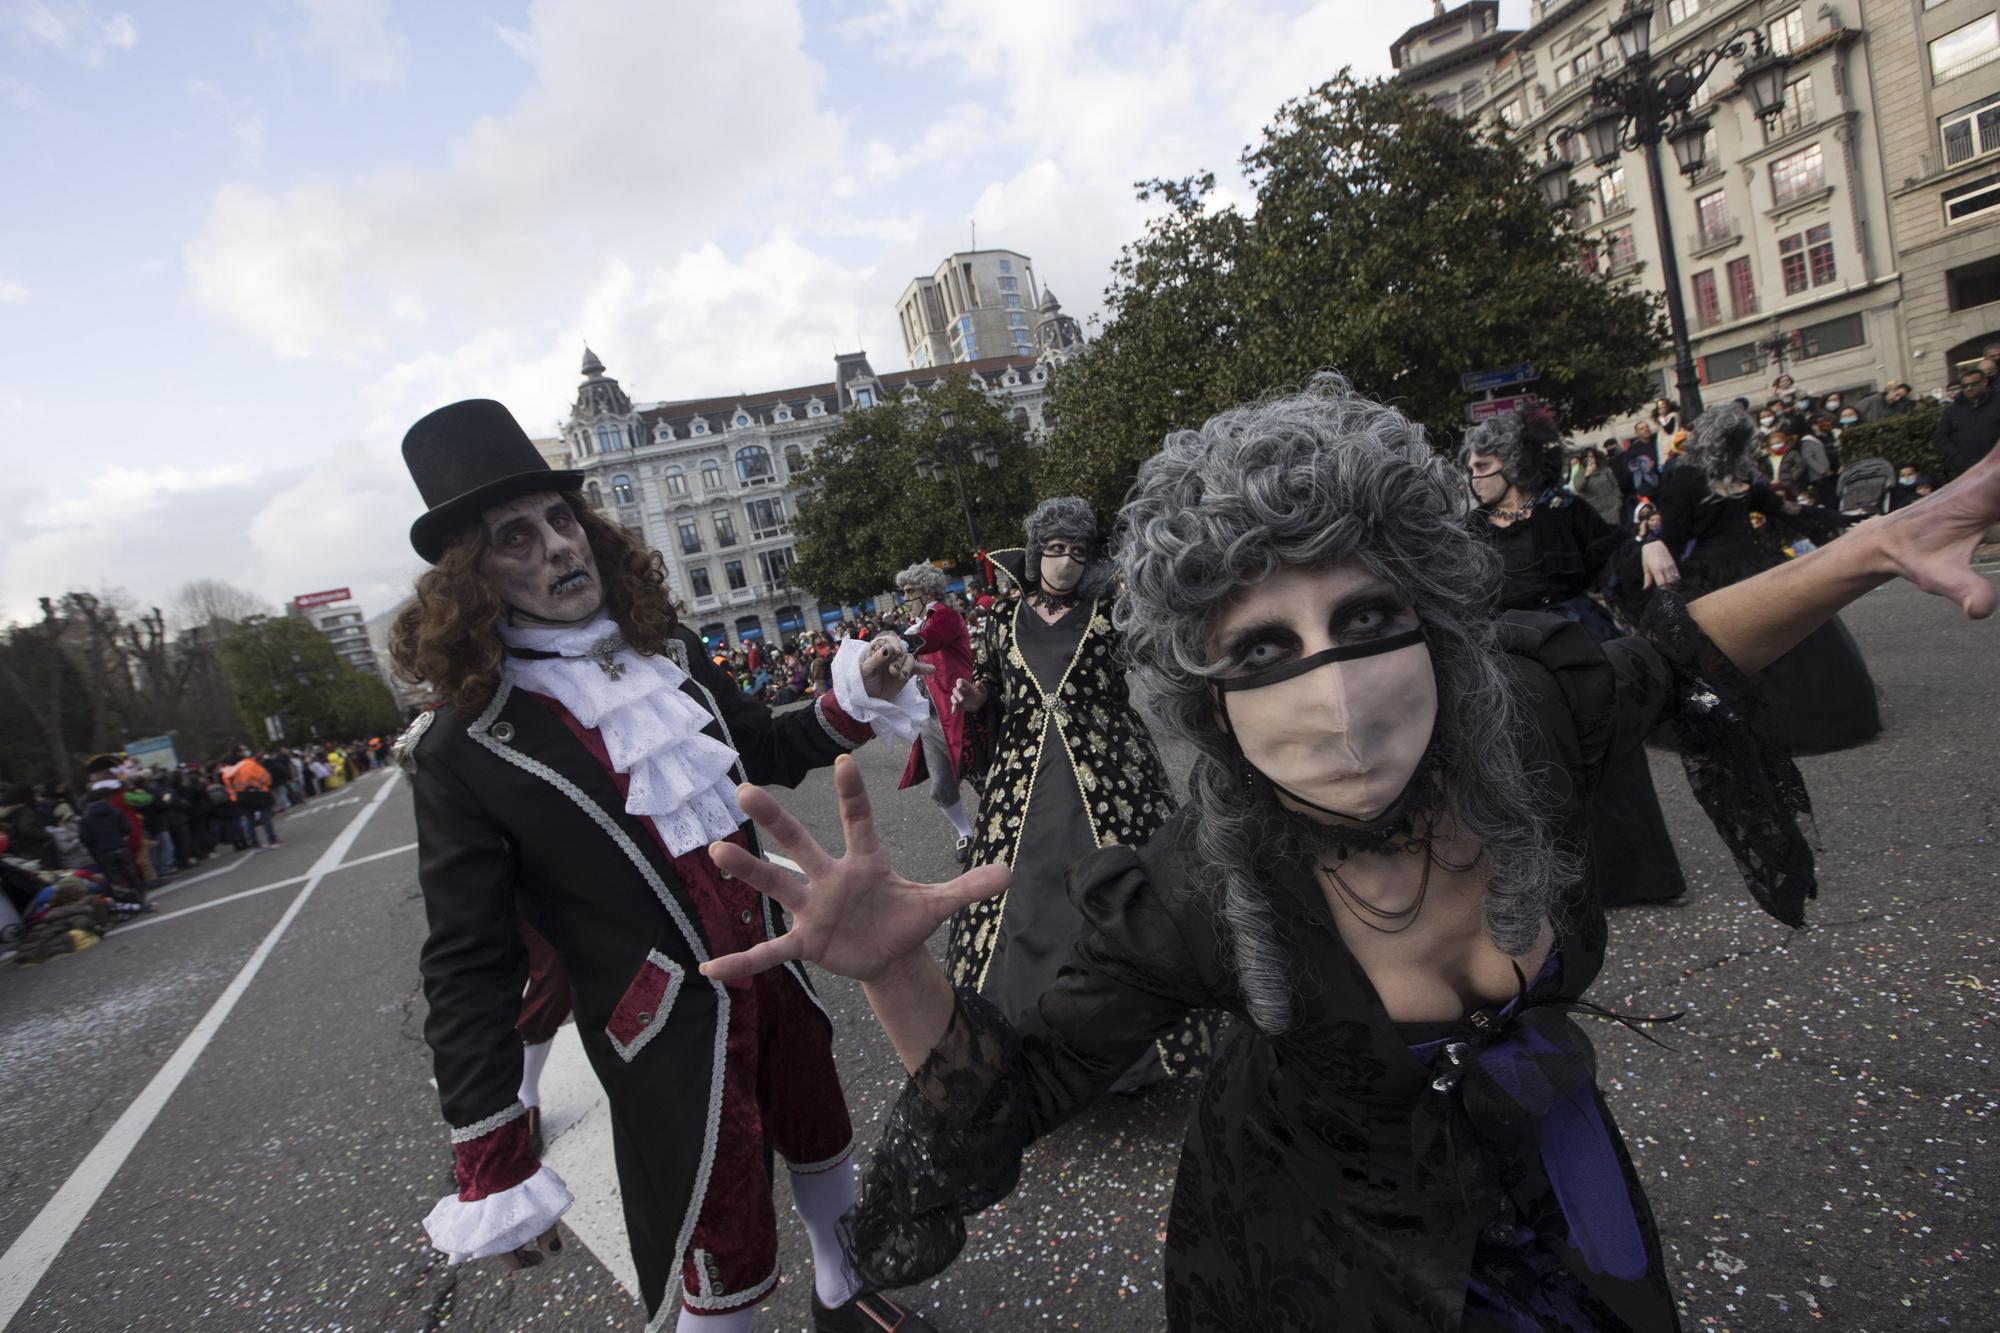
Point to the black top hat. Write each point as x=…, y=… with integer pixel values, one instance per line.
x=469, y=457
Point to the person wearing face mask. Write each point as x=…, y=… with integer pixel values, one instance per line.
x=1821, y=694
x=1375, y=873
x=580, y=764
x=1554, y=554
x=1047, y=675
x=1911, y=485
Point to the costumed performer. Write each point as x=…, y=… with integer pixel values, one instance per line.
x=583, y=758
x=947, y=651
x=1072, y=769
x=1820, y=690
x=1376, y=872
x=1555, y=550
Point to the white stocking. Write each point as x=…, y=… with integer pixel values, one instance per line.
x=736, y=1321
x=955, y=812
x=821, y=1200
x=532, y=1060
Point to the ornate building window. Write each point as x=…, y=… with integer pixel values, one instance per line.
x=698, y=581
x=676, y=484
x=594, y=494
x=699, y=426
x=725, y=528
x=783, y=413
x=795, y=459
x=610, y=439
x=621, y=489
x=753, y=465
x=711, y=475
x=690, y=537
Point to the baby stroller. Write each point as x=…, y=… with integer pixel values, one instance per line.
x=1864, y=489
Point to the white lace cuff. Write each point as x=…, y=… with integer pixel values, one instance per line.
x=900, y=717
x=499, y=1222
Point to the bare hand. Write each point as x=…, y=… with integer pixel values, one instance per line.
x=1658, y=563
x=535, y=1250
x=888, y=665
x=854, y=916
x=1931, y=542
x=969, y=695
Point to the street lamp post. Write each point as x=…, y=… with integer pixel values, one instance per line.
x=1647, y=101
x=956, y=450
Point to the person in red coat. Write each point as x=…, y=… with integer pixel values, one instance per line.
x=947, y=650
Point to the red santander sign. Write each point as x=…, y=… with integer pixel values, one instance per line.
x=326, y=598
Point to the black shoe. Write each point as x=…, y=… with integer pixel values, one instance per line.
x=870, y=1312
x=963, y=853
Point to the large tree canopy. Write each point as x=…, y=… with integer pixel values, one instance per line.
x=867, y=511
x=1391, y=242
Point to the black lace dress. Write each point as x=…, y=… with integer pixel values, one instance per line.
x=1820, y=692
x=1341, y=1175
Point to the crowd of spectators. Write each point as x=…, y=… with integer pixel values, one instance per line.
x=1801, y=440
x=71, y=860
x=799, y=668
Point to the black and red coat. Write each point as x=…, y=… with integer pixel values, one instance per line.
x=514, y=812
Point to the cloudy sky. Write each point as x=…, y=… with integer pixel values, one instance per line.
x=249, y=243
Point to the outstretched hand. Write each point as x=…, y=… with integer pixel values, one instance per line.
x=852, y=915
x=1931, y=542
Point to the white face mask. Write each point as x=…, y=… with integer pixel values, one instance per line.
x=1342, y=731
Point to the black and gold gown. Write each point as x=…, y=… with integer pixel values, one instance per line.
x=1073, y=770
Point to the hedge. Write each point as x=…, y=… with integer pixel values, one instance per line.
x=1906, y=441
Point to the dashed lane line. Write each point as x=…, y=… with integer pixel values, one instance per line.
x=161, y=920
x=36, y=1249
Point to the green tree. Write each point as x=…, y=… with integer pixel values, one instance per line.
x=282, y=667
x=868, y=511
x=1390, y=241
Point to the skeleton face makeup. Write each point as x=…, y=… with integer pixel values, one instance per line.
x=539, y=561
x=1329, y=692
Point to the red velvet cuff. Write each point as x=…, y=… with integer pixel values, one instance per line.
x=854, y=732
x=493, y=1162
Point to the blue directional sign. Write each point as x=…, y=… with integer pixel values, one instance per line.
x=1480, y=381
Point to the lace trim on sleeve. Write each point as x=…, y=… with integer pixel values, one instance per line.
x=951, y=1147
x=1738, y=764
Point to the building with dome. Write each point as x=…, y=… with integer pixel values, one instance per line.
x=710, y=482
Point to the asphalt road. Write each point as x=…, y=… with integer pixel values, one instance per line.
x=1815, y=1146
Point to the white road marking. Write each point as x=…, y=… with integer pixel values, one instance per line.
x=122, y=931
x=242, y=859
x=37, y=1248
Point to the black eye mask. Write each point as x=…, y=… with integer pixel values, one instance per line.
x=1344, y=653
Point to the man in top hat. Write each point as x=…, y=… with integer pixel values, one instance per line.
x=582, y=761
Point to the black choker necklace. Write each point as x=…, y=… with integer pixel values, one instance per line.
x=1513, y=515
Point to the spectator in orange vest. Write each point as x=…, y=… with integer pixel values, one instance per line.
x=250, y=783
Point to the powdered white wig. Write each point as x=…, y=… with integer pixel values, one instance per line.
x=926, y=581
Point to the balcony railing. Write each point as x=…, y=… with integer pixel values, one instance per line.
x=1966, y=66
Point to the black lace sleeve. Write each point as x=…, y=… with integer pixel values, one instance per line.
x=953, y=1141
x=1738, y=764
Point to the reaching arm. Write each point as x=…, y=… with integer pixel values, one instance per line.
x=1930, y=543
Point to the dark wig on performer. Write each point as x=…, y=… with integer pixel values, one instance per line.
x=446, y=636
x=1069, y=518
x=1309, y=480
x=1724, y=445
x=1528, y=445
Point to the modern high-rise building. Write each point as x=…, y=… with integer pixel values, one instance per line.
x=335, y=614
x=1850, y=237
x=978, y=304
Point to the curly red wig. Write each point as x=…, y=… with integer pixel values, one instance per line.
x=446, y=637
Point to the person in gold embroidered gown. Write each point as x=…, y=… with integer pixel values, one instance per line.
x=1073, y=768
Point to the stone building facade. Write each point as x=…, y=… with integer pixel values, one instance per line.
x=710, y=482
x=1822, y=239
x=977, y=304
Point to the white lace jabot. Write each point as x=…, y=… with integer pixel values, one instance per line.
x=680, y=778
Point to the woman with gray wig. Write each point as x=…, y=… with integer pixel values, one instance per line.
x=1072, y=769
x=1822, y=696
x=1375, y=872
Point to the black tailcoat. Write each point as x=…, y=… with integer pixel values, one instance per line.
x=513, y=811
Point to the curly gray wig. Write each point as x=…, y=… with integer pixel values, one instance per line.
x=1724, y=444
x=923, y=579
x=1529, y=448
x=1309, y=480
x=1069, y=518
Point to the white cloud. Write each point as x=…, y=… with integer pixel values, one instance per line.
x=12, y=293
x=575, y=170
x=249, y=134
x=69, y=29
x=358, y=36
